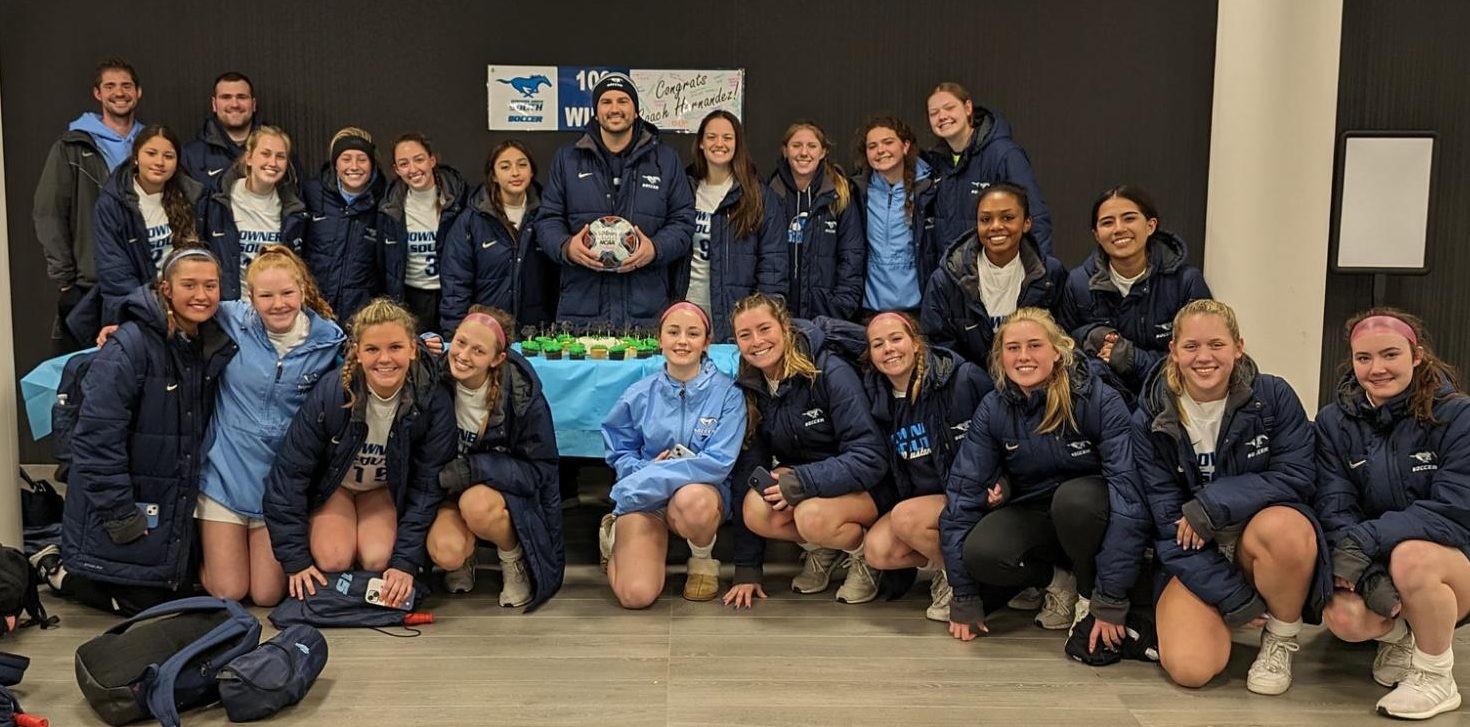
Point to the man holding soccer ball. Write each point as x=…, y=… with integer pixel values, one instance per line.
x=616, y=212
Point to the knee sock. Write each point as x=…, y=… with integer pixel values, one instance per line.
x=56, y=578
x=701, y=551
x=510, y=556
x=1287, y=629
x=1397, y=632
x=856, y=552
x=1435, y=663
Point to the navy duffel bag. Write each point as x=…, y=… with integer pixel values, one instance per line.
x=274, y=676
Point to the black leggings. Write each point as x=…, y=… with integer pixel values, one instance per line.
x=424, y=305
x=1017, y=545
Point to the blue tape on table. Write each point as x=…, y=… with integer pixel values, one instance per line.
x=39, y=389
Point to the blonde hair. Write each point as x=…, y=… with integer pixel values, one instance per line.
x=1058, y=409
x=170, y=265
x=839, y=182
x=793, y=361
x=1173, y=377
x=921, y=351
x=380, y=311
x=281, y=257
x=349, y=131
x=253, y=141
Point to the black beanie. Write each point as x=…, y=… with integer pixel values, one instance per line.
x=614, y=82
x=353, y=141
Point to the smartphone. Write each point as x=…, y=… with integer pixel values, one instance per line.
x=680, y=451
x=374, y=595
x=761, y=478
x=150, y=512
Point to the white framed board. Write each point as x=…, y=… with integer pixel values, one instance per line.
x=1381, y=213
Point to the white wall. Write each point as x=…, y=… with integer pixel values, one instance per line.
x=1270, y=193
x=10, y=533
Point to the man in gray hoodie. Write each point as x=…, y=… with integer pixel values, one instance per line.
x=75, y=169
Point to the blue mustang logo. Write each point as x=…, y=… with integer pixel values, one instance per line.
x=527, y=85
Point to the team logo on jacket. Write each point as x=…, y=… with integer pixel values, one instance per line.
x=975, y=187
x=651, y=181
x=1259, y=444
x=1165, y=330
x=705, y=426
x=1426, y=461
x=831, y=227
x=912, y=441
x=1079, y=449
x=960, y=430
x=813, y=417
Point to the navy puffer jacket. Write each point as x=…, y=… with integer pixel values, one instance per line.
x=139, y=445
x=1144, y=319
x=343, y=246
x=323, y=441
x=827, y=251
x=393, y=226
x=487, y=261
x=822, y=429
x=1263, y=457
x=931, y=427
x=739, y=266
x=125, y=260
x=1003, y=442
x=954, y=314
x=217, y=228
x=992, y=156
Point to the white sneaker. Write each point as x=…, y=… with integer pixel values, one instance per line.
x=816, y=570
x=1084, y=607
x=1027, y=600
x=1059, y=604
x=1420, y=695
x=940, y=595
x=861, y=585
x=515, y=587
x=47, y=564
x=1393, y=660
x=1270, y=674
x=605, y=539
x=461, y=579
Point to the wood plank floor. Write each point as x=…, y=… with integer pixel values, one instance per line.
x=793, y=660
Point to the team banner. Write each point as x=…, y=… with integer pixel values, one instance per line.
x=559, y=98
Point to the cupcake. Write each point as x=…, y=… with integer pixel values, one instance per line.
x=576, y=351
x=543, y=340
x=598, y=352
x=551, y=351
x=618, y=352
x=646, y=349
x=530, y=349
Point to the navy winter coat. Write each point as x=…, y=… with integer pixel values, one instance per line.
x=1385, y=477
x=822, y=429
x=739, y=266
x=517, y=456
x=343, y=244
x=139, y=444
x=652, y=194
x=1003, y=442
x=1144, y=320
x=954, y=314
x=1263, y=457
x=992, y=156
x=210, y=153
x=321, y=445
x=486, y=262
x=393, y=226
x=827, y=251
x=931, y=427
x=927, y=246
x=124, y=257
x=216, y=213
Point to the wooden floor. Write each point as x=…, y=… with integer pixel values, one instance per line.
x=794, y=660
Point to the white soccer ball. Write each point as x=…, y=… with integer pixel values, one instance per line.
x=612, y=239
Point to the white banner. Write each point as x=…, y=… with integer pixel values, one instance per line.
x=559, y=98
x=678, y=100
x=523, y=98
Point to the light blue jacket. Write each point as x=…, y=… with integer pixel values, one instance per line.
x=259, y=394
x=707, y=415
x=893, y=267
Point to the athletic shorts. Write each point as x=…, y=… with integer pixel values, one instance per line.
x=208, y=508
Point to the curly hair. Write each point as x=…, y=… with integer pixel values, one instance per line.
x=281, y=257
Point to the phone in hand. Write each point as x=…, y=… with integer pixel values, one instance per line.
x=376, y=587
x=761, y=478
x=679, y=451
x=150, y=513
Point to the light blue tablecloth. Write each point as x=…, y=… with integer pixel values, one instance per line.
x=580, y=393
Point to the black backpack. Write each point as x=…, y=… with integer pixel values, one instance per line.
x=164, y=659
x=64, y=411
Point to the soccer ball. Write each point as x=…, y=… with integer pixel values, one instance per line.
x=612, y=239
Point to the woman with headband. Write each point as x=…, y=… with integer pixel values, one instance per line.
x=1393, y=492
x=923, y=398
x=128, y=530
x=288, y=341
x=671, y=439
x=1225, y=453
x=503, y=485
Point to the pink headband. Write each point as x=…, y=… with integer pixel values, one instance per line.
x=686, y=305
x=1383, y=324
x=488, y=322
x=890, y=314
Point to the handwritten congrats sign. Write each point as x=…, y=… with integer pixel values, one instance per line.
x=559, y=98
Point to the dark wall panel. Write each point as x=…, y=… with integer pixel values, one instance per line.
x=1403, y=67
x=1098, y=93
